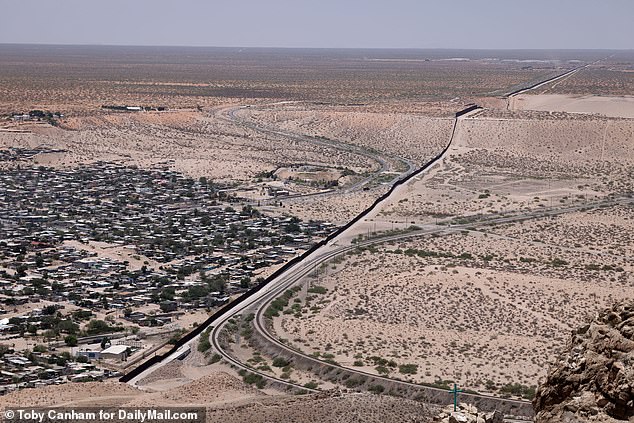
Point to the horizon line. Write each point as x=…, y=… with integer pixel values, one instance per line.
x=313, y=48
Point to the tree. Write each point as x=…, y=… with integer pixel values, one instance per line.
x=245, y=282
x=105, y=342
x=71, y=340
x=80, y=315
x=95, y=327
x=168, y=293
x=39, y=348
x=218, y=282
x=67, y=326
x=293, y=225
x=15, y=321
x=196, y=291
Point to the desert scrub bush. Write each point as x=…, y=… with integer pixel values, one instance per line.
x=517, y=389
x=253, y=379
x=376, y=389
x=311, y=385
x=353, y=383
x=382, y=370
x=557, y=262
x=379, y=361
x=247, y=333
x=215, y=358
x=408, y=369
x=439, y=383
x=280, y=362
x=317, y=290
x=280, y=303
x=257, y=358
x=203, y=342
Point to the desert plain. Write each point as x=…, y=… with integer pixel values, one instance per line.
x=517, y=235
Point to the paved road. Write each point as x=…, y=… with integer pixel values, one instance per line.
x=297, y=273
x=231, y=115
x=259, y=301
x=256, y=298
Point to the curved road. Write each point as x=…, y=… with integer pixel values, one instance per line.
x=260, y=300
x=231, y=115
x=264, y=293
x=296, y=274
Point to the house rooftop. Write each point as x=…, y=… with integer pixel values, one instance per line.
x=115, y=349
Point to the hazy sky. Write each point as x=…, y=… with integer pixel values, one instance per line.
x=324, y=23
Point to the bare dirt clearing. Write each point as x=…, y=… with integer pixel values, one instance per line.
x=620, y=107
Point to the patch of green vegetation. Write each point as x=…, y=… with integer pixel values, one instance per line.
x=379, y=361
x=422, y=253
x=382, y=370
x=439, y=383
x=519, y=390
x=317, y=290
x=252, y=379
x=280, y=362
x=376, y=389
x=203, y=343
x=408, y=369
x=280, y=302
x=557, y=262
x=353, y=383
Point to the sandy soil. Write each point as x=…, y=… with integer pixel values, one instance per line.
x=622, y=107
x=498, y=310
x=192, y=143
x=329, y=408
x=228, y=400
x=520, y=287
x=516, y=164
x=469, y=319
x=414, y=137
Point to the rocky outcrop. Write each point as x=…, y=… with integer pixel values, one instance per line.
x=467, y=413
x=594, y=380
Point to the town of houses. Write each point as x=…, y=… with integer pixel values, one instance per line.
x=194, y=247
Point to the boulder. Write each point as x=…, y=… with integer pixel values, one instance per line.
x=594, y=379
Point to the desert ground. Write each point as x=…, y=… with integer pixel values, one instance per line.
x=486, y=305
x=430, y=302
x=225, y=397
x=588, y=104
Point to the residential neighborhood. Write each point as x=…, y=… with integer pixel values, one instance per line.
x=105, y=250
